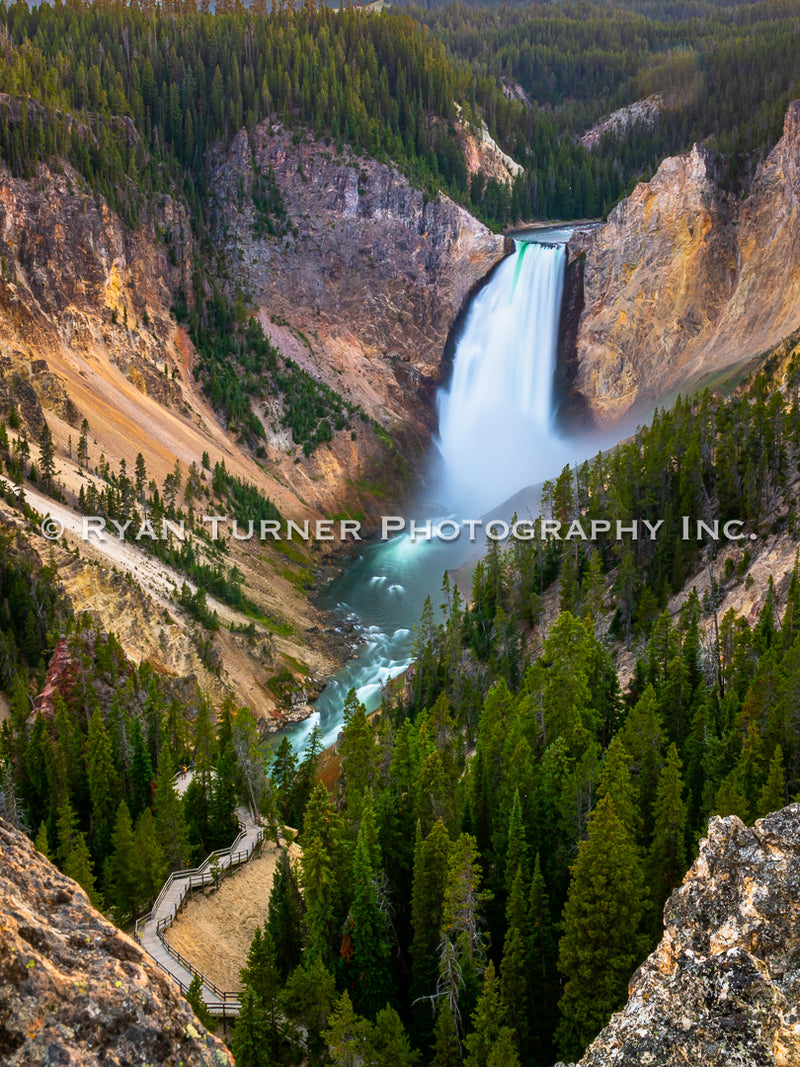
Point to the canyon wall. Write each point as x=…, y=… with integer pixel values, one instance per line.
x=684, y=280
x=357, y=283
x=368, y=277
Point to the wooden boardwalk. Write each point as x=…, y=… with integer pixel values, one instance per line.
x=151, y=928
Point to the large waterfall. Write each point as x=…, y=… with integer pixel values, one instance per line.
x=496, y=436
x=496, y=420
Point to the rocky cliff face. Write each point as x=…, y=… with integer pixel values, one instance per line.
x=73, y=988
x=722, y=988
x=359, y=286
x=682, y=281
x=369, y=277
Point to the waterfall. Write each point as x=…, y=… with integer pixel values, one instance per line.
x=496, y=430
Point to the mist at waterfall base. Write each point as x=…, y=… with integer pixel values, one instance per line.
x=496, y=436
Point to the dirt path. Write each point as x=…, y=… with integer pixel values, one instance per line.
x=214, y=932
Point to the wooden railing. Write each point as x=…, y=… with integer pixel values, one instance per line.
x=197, y=878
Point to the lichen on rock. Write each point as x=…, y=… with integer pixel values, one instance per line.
x=723, y=987
x=74, y=989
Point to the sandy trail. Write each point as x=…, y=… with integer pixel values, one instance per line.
x=214, y=932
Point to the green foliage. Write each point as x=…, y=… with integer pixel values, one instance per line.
x=667, y=857
x=194, y=994
x=602, y=942
x=721, y=76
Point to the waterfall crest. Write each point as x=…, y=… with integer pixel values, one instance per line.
x=496, y=420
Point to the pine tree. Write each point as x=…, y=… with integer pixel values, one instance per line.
x=172, y=832
x=223, y=824
x=503, y=1052
x=358, y=752
x=667, y=857
x=347, y=1035
x=121, y=867
x=514, y=967
x=141, y=773
x=489, y=1022
x=447, y=1043
x=261, y=975
x=42, y=844
x=83, y=445
x=151, y=868
x=615, y=781
x=47, y=465
x=388, y=1042
x=284, y=920
x=308, y=999
x=367, y=952
x=773, y=793
x=601, y=943
x=140, y=477
x=78, y=865
x=431, y=859
x=645, y=739
x=462, y=953
x=250, y=1040
x=103, y=782
x=73, y=852
x=194, y=994
x=542, y=970
x=319, y=891
x=517, y=859
x=284, y=777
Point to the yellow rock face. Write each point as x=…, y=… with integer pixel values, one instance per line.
x=682, y=282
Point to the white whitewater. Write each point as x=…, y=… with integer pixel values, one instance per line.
x=496, y=420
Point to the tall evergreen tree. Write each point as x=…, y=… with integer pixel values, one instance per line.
x=365, y=947
x=121, y=867
x=602, y=941
x=431, y=861
x=261, y=975
x=171, y=829
x=542, y=973
x=489, y=1024
x=151, y=868
x=250, y=1041
x=773, y=793
x=284, y=917
x=667, y=858
x=103, y=782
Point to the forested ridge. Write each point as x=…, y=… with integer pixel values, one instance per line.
x=75, y=74
x=134, y=96
x=725, y=74
x=491, y=862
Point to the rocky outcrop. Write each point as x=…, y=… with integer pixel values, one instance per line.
x=682, y=281
x=483, y=155
x=74, y=275
x=366, y=272
x=73, y=988
x=722, y=987
x=616, y=124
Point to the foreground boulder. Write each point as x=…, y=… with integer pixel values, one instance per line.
x=723, y=987
x=74, y=989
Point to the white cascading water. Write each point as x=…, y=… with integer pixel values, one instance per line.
x=496, y=419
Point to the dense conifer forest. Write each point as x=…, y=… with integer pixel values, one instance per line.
x=511, y=803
